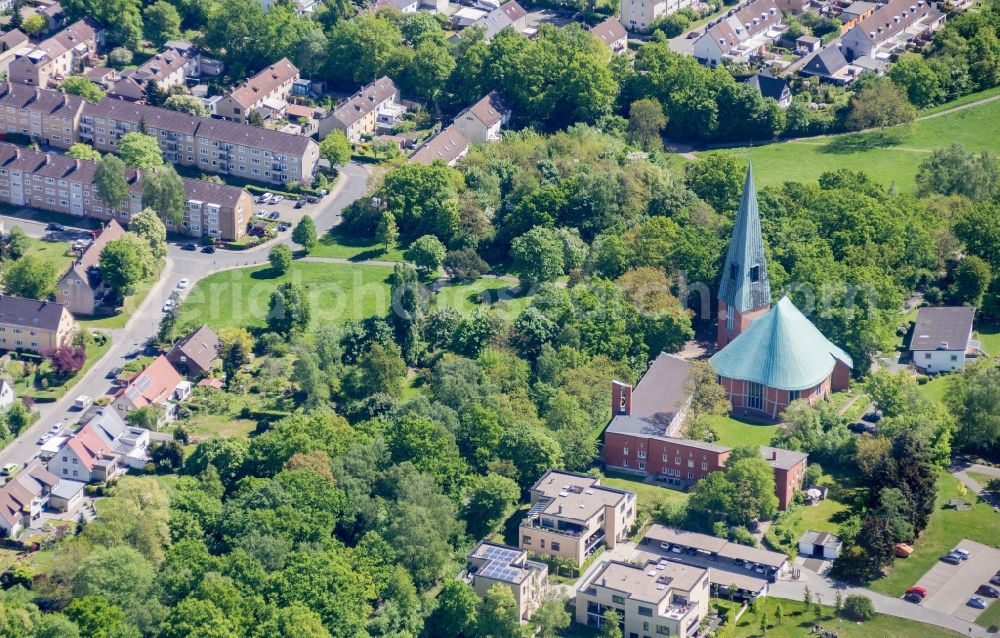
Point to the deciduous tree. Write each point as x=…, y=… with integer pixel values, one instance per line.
x=163, y=191
x=304, y=233
x=139, y=150
x=280, y=258
x=30, y=276
x=110, y=181
x=79, y=85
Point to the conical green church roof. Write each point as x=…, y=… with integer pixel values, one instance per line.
x=782, y=350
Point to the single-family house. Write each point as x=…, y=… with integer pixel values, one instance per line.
x=509, y=15
x=775, y=88
x=195, y=354
x=639, y=15
x=105, y=447
x=481, y=122
x=10, y=43
x=612, y=34
x=820, y=545
x=830, y=65
x=942, y=338
x=24, y=497
x=81, y=288
x=7, y=395
x=159, y=384
x=268, y=89
x=168, y=69
x=56, y=58
x=448, y=146
x=358, y=115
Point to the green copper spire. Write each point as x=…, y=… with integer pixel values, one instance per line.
x=744, y=285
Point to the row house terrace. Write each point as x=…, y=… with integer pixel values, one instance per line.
x=49, y=116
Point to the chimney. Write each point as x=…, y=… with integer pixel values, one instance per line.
x=559, y=510
x=621, y=398
x=774, y=455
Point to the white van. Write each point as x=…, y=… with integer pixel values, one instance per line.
x=489, y=5
x=82, y=402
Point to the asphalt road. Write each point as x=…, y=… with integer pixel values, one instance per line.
x=129, y=341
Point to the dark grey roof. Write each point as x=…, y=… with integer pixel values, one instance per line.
x=944, y=328
x=826, y=539
x=201, y=346
x=36, y=100
x=746, y=252
x=825, y=62
x=30, y=313
x=768, y=86
x=781, y=458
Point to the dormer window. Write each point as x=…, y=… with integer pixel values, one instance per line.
x=754, y=274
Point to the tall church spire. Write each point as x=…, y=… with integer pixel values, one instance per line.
x=744, y=287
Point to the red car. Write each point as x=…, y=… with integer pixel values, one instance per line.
x=918, y=590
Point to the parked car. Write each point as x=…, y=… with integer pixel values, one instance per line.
x=693, y=35
x=208, y=250
x=167, y=307
x=918, y=590
x=10, y=469
x=43, y=438
x=113, y=373
x=189, y=247
x=283, y=227
x=56, y=228
x=913, y=598
x=861, y=428
x=300, y=204
x=676, y=549
x=989, y=592
x=873, y=417
x=56, y=428
x=183, y=283
x=82, y=402
x=952, y=559
x=277, y=198
x=963, y=553
x=274, y=215
x=978, y=603
x=262, y=214
x=995, y=581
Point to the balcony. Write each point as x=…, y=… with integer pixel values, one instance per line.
x=596, y=539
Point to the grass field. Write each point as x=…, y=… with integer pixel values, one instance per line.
x=736, y=433
x=989, y=336
x=935, y=389
x=979, y=477
x=54, y=252
x=337, y=292
x=946, y=528
x=990, y=617
x=893, y=157
x=797, y=622
x=645, y=493
x=497, y=292
x=337, y=244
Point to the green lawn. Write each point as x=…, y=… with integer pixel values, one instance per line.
x=34, y=386
x=935, y=389
x=893, y=157
x=131, y=303
x=979, y=477
x=646, y=494
x=336, y=243
x=797, y=622
x=54, y=252
x=990, y=617
x=736, y=433
x=989, y=336
x=467, y=297
x=965, y=99
x=337, y=292
x=212, y=426
x=946, y=528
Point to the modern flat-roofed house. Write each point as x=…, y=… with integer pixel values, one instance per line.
x=942, y=338
x=612, y=34
x=741, y=36
x=81, y=288
x=33, y=325
x=158, y=385
x=481, y=122
x=357, y=116
x=168, y=69
x=272, y=84
x=54, y=182
x=11, y=42
x=195, y=354
x=448, y=146
x=889, y=28
x=48, y=116
x=654, y=599
x=775, y=88
x=490, y=564
x=572, y=514
x=24, y=496
x=56, y=58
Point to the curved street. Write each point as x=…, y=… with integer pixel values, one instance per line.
x=145, y=320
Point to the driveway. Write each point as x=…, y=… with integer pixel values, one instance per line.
x=949, y=587
x=145, y=320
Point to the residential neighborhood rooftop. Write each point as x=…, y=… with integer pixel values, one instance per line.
x=942, y=327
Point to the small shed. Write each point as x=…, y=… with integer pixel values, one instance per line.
x=810, y=43
x=820, y=545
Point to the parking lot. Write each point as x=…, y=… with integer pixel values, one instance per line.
x=949, y=587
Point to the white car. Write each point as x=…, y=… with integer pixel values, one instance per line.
x=963, y=553
x=56, y=429
x=183, y=283
x=167, y=307
x=44, y=438
x=277, y=198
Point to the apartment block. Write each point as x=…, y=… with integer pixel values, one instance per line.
x=572, y=515
x=269, y=88
x=890, y=28
x=639, y=15
x=656, y=599
x=33, y=325
x=10, y=43
x=490, y=564
x=214, y=146
x=56, y=58
x=168, y=69
x=49, y=116
x=54, y=182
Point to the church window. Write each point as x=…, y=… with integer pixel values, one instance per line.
x=733, y=271
x=755, y=274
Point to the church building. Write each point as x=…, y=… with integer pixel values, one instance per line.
x=768, y=356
